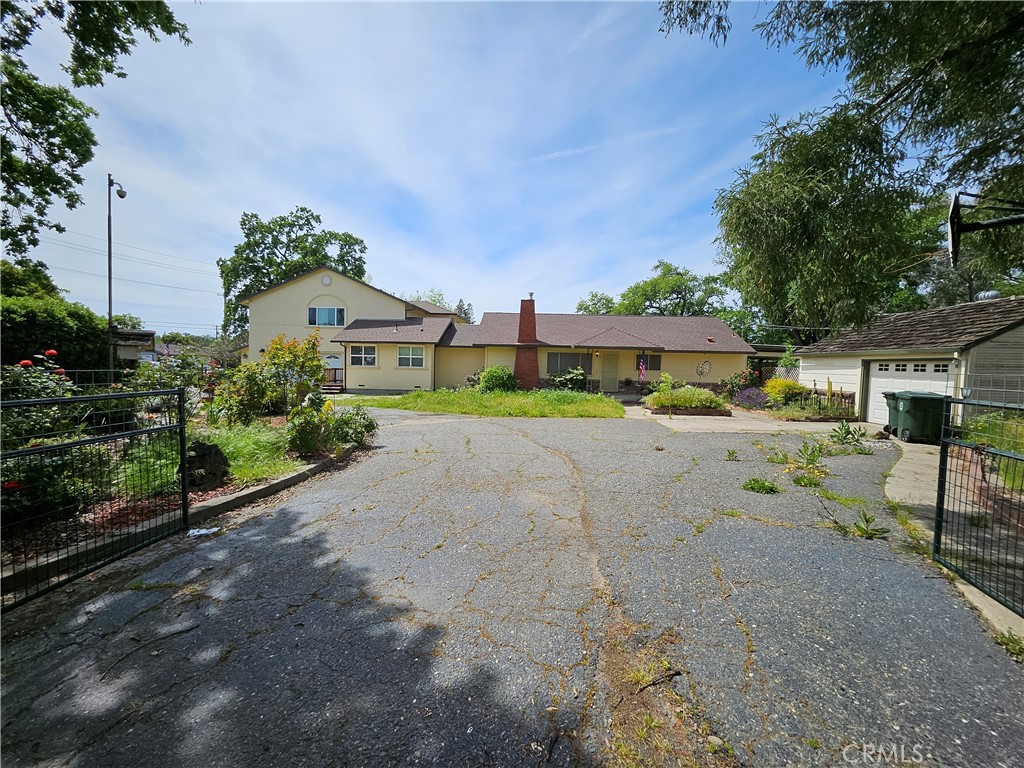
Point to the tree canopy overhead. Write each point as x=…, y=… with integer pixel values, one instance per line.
x=947, y=77
x=673, y=290
x=819, y=229
x=279, y=249
x=46, y=137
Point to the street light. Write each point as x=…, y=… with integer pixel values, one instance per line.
x=110, y=273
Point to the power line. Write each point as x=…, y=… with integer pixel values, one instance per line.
x=140, y=282
x=140, y=303
x=124, y=257
x=137, y=248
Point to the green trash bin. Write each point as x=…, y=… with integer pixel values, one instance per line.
x=893, y=425
x=920, y=416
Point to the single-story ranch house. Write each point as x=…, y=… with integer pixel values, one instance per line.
x=375, y=342
x=978, y=345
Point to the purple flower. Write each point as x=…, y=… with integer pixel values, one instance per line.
x=751, y=397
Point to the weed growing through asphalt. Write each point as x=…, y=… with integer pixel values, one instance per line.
x=760, y=485
x=807, y=481
x=731, y=455
x=847, y=501
x=732, y=513
x=778, y=457
x=844, y=434
x=865, y=527
x=808, y=459
x=1012, y=643
x=978, y=521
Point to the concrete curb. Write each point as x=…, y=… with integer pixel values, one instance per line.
x=126, y=542
x=204, y=510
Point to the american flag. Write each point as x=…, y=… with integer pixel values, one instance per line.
x=643, y=368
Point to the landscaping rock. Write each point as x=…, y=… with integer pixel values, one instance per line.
x=207, y=466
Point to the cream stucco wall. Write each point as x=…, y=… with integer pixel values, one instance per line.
x=680, y=365
x=500, y=356
x=283, y=309
x=386, y=375
x=454, y=364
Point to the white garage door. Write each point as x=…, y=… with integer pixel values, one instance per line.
x=899, y=375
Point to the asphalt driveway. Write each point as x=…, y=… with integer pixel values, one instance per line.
x=494, y=592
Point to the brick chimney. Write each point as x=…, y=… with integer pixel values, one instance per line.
x=527, y=370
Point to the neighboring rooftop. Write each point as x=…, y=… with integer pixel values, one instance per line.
x=956, y=327
x=432, y=309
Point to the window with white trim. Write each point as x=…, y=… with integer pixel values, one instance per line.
x=883, y=366
x=900, y=367
x=410, y=357
x=920, y=367
x=941, y=368
x=365, y=356
x=325, y=316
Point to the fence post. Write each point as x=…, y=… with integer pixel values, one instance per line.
x=183, y=458
x=940, y=496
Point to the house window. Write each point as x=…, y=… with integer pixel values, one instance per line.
x=653, y=362
x=883, y=366
x=920, y=367
x=410, y=357
x=563, y=361
x=900, y=367
x=325, y=316
x=941, y=368
x=364, y=356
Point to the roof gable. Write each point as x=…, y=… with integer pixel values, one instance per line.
x=414, y=330
x=957, y=327
x=328, y=270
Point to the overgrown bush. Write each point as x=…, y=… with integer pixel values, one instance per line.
x=311, y=430
x=60, y=483
x=751, y=397
x=737, y=382
x=572, y=378
x=783, y=391
x=241, y=397
x=685, y=397
x=498, y=378
x=38, y=378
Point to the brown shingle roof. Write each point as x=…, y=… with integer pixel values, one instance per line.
x=415, y=330
x=433, y=309
x=957, y=327
x=670, y=334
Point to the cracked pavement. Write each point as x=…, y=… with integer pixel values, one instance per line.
x=444, y=600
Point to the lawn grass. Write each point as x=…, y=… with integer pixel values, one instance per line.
x=256, y=452
x=559, y=403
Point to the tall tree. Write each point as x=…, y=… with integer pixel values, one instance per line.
x=46, y=137
x=673, y=290
x=279, y=249
x=464, y=310
x=596, y=303
x=821, y=225
x=947, y=77
x=25, y=277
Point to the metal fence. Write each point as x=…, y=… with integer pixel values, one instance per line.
x=979, y=523
x=85, y=480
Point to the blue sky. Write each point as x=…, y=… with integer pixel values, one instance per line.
x=485, y=149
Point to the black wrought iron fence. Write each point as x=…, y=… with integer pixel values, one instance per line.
x=85, y=480
x=979, y=524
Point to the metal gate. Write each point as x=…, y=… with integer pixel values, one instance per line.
x=86, y=480
x=979, y=523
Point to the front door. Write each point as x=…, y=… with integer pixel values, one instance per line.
x=610, y=372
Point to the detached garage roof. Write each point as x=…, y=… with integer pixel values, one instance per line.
x=957, y=327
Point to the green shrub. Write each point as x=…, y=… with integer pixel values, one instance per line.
x=573, y=378
x=61, y=483
x=311, y=431
x=737, y=382
x=498, y=378
x=684, y=398
x=783, y=391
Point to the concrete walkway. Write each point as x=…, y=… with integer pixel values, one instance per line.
x=740, y=421
x=913, y=482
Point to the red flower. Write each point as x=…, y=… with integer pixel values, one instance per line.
x=11, y=485
x=25, y=363
x=50, y=353
x=60, y=371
